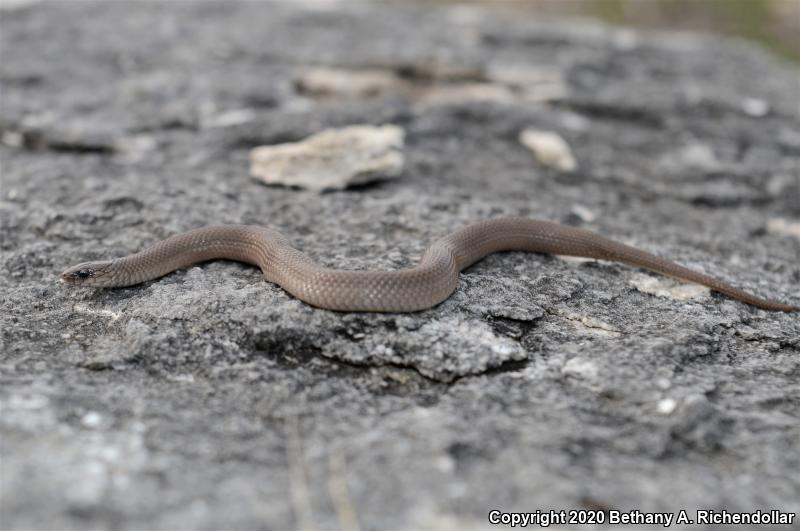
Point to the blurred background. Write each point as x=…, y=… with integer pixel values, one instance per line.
x=775, y=24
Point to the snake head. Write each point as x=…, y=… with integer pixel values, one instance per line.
x=88, y=274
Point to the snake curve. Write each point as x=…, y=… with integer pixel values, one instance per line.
x=420, y=287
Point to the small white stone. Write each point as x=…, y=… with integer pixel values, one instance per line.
x=783, y=227
x=91, y=419
x=666, y=406
x=755, y=107
x=583, y=213
x=549, y=149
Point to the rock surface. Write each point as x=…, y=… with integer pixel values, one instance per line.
x=210, y=399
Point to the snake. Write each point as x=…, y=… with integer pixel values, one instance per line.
x=416, y=288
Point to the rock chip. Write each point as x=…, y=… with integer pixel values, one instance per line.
x=549, y=148
x=332, y=159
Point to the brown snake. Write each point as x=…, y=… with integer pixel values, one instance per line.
x=407, y=290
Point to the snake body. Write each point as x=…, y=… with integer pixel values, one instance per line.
x=428, y=283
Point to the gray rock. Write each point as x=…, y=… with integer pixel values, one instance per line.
x=210, y=399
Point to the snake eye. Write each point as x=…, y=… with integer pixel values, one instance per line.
x=84, y=273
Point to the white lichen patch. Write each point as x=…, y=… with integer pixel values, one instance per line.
x=669, y=288
x=590, y=324
x=549, y=148
x=84, y=309
x=333, y=159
